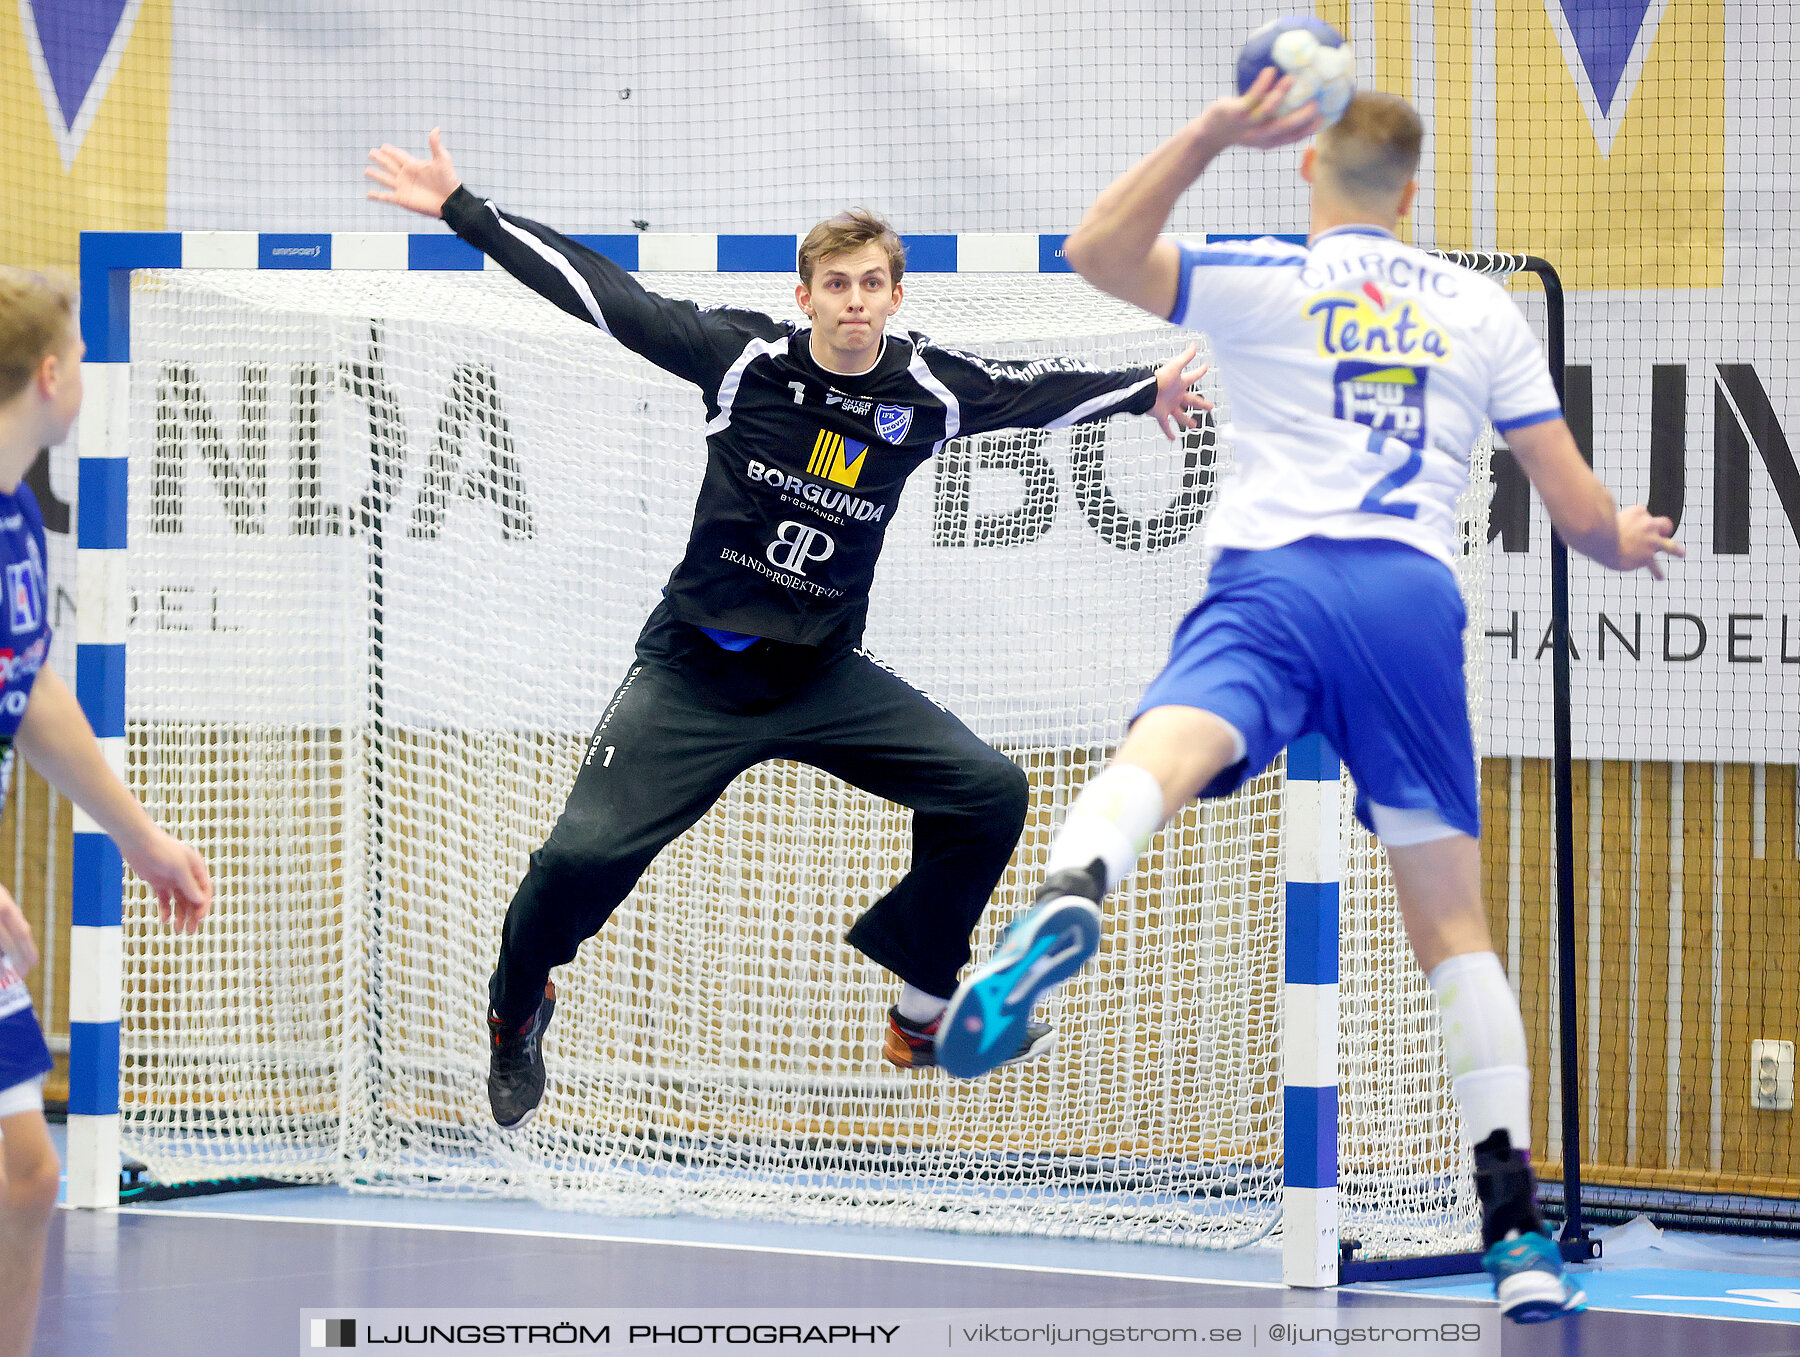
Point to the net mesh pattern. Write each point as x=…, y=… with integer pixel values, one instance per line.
x=393, y=536
x=696, y=116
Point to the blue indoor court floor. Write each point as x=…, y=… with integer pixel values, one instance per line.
x=230, y=1275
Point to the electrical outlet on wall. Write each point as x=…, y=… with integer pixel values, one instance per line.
x=1772, y=1075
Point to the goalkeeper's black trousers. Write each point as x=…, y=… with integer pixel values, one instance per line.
x=691, y=716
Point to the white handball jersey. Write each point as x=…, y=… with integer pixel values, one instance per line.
x=1356, y=373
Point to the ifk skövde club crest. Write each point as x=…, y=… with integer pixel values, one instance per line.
x=892, y=422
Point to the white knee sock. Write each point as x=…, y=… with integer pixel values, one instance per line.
x=1112, y=820
x=918, y=1007
x=1484, y=1042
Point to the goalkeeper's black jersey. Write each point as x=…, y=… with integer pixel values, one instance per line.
x=804, y=466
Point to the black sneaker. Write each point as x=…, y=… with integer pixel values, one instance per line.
x=516, y=1064
x=914, y=1047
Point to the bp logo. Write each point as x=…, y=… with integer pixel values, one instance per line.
x=797, y=543
x=892, y=422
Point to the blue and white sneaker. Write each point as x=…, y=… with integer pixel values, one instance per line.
x=991, y=1010
x=1529, y=1281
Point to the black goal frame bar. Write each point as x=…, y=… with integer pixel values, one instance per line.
x=1576, y=1242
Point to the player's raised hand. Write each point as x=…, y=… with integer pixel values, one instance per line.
x=177, y=875
x=15, y=935
x=1176, y=398
x=1643, y=538
x=1254, y=118
x=406, y=181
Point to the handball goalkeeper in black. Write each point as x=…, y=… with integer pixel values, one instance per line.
x=754, y=652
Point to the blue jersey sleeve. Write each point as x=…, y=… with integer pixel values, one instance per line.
x=1222, y=286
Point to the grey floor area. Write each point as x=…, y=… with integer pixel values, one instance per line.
x=156, y=1283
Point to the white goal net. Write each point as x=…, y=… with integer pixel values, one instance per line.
x=392, y=537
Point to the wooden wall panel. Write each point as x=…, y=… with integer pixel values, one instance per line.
x=1688, y=950
x=1537, y=983
x=1687, y=871
x=1698, y=1027
x=1649, y=858
x=1609, y=974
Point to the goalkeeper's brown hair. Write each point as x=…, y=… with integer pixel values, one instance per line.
x=846, y=233
x=1371, y=153
x=37, y=317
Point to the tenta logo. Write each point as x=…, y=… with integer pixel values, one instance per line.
x=797, y=543
x=1372, y=322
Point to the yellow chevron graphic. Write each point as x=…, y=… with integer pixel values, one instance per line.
x=828, y=459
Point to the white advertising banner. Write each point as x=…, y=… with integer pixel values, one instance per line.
x=1646, y=150
x=533, y=486
x=1689, y=416
x=464, y=525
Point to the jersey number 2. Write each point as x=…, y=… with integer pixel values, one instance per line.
x=1376, y=501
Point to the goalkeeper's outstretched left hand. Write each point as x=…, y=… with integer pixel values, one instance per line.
x=406, y=181
x=1176, y=399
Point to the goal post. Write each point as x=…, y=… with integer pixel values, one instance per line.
x=353, y=419
x=1576, y=1241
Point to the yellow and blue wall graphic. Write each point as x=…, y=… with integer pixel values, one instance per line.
x=84, y=122
x=1589, y=131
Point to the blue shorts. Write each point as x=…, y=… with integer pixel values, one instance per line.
x=23, y=1054
x=1358, y=641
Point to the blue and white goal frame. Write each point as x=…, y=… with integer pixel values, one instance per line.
x=1311, y=1249
x=107, y=261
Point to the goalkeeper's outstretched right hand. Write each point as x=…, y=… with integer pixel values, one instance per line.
x=406, y=181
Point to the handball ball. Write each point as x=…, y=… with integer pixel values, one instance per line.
x=1313, y=53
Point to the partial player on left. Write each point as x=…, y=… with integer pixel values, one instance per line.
x=40, y=392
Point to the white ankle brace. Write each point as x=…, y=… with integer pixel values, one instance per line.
x=1112, y=821
x=1484, y=1044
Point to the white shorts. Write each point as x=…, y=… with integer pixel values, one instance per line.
x=25, y=1097
x=1398, y=827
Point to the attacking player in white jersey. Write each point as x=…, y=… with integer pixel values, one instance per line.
x=1358, y=371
